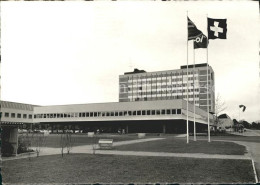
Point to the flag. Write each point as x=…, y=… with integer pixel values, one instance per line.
x=199, y=39
x=217, y=28
x=244, y=107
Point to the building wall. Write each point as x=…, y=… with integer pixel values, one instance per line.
x=124, y=111
x=16, y=112
x=168, y=85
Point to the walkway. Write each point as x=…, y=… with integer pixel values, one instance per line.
x=89, y=149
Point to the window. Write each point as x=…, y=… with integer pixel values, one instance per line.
x=138, y=112
x=178, y=111
x=7, y=114
x=54, y=115
x=158, y=112
x=148, y=112
x=120, y=113
x=103, y=114
x=107, y=114
x=129, y=113
x=153, y=112
x=143, y=112
x=173, y=111
x=30, y=116
x=12, y=115
x=163, y=111
x=58, y=115
x=134, y=113
x=65, y=115
x=24, y=116
x=51, y=115
x=87, y=114
x=83, y=114
x=116, y=113
x=19, y=115
x=91, y=114
x=168, y=111
x=125, y=113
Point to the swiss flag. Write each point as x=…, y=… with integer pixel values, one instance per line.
x=217, y=28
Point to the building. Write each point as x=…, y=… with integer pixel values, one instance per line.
x=164, y=116
x=225, y=122
x=152, y=102
x=13, y=116
x=140, y=85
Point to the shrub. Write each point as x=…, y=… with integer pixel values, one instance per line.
x=7, y=149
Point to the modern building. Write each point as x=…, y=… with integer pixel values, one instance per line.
x=148, y=102
x=164, y=116
x=13, y=116
x=140, y=85
x=225, y=122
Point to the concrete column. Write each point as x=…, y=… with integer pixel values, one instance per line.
x=14, y=138
x=52, y=128
x=73, y=128
x=126, y=129
x=164, y=128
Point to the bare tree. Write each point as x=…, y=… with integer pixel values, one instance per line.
x=220, y=106
x=62, y=143
x=69, y=142
x=66, y=141
x=39, y=141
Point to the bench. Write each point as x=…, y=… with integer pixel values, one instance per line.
x=91, y=134
x=105, y=143
x=141, y=135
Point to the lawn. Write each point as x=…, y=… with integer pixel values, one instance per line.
x=179, y=145
x=53, y=140
x=86, y=168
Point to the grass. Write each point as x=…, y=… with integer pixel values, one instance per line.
x=179, y=145
x=53, y=140
x=86, y=168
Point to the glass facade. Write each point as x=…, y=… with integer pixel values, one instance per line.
x=168, y=85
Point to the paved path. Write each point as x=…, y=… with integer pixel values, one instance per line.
x=248, y=133
x=89, y=150
x=166, y=154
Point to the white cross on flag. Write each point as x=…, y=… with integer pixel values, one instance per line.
x=217, y=28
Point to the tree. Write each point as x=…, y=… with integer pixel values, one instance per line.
x=39, y=139
x=66, y=141
x=220, y=106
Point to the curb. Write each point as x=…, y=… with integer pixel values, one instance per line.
x=253, y=164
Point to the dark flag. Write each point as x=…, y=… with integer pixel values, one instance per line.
x=217, y=28
x=199, y=39
x=244, y=107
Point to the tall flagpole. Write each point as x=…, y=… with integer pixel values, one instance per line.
x=194, y=119
x=187, y=99
x=208, y=90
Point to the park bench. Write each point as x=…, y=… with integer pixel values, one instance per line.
x=105, y=143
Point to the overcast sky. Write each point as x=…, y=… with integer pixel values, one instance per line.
x=73, y=52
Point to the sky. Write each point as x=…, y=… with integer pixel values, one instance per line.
x=57, y=53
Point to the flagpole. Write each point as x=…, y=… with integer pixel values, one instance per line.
x=194, y=119
x=187, y=99
x=208, y=90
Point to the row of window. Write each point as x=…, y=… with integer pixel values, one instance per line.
x=109, y=114
x=183, y=73
x=158, y=75
x=18, y=115
x=160, y=81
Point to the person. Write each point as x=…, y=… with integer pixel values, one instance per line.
x=123, y=131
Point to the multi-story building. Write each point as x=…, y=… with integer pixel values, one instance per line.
x=140, y=85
